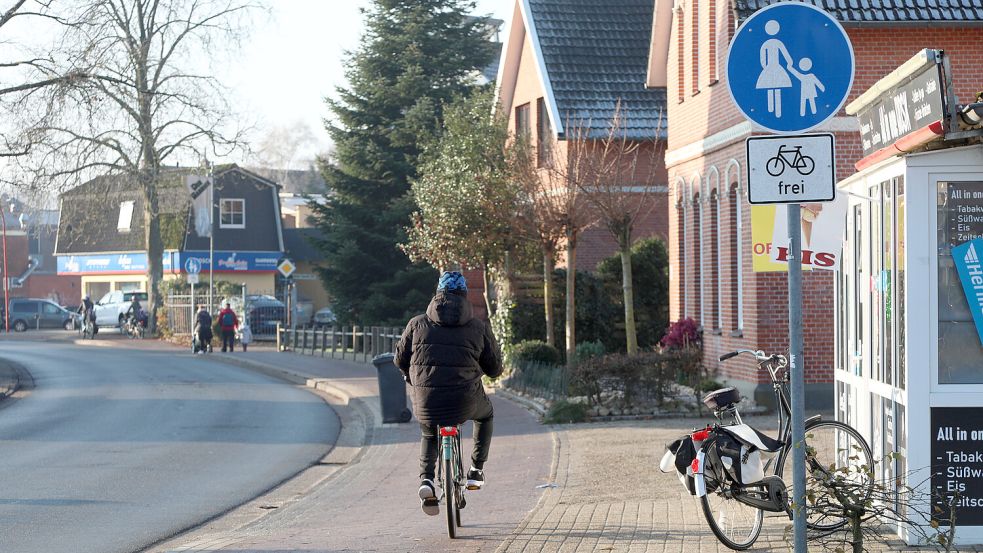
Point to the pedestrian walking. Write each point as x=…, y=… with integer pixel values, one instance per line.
x=228, y=322
x=245, y=335
x=203, y=330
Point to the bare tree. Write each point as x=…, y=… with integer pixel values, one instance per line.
x=24, y=71
x=145, y=98
x=619, y=185
x=560, y=213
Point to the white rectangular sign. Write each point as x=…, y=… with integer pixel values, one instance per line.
x=785, y=169
x=192, y=278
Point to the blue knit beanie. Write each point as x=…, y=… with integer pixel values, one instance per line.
x=451, y=281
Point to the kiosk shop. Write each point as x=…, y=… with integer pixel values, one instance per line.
x=909, y=312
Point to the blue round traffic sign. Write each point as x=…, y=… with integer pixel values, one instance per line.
x=790, y=67
x=192, y=266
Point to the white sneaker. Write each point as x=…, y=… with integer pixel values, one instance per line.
x=476, y=479
x=428, y=498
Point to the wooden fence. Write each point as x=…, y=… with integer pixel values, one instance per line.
x=357, y=343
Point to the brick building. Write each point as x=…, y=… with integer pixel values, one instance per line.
x=31, y=264
x=711, y=275
x=569, y=63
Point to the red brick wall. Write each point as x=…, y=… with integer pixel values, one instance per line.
x=695, y=116
x=63, y=290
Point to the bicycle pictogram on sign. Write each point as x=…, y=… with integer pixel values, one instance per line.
x=804, y=164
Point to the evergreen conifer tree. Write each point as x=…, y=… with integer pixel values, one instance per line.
x=414, y=57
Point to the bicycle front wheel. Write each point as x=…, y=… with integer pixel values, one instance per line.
x=735, y=524
x=836, y=456
x=450, y=498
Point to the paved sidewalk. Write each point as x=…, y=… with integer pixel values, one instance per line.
x=369, y=503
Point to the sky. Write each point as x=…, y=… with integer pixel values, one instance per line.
x=294, y=59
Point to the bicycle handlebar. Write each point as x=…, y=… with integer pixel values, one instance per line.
x=759, y=355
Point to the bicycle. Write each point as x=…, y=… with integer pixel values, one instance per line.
x=838, y=462
x=88, y=328
x=134, y=328
x=775, y=166
x=450, y=476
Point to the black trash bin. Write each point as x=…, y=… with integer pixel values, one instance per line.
x=392, y=389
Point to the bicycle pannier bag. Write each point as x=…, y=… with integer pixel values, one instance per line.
x=679, y=458
x=744, y=452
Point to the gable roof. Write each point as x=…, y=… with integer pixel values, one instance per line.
x=90, y=211
x=884, y=11
x=590, y=55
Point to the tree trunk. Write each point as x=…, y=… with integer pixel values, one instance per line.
x=571, y=323
x=153, y=244
x=487, y=291
x=548, y=267
x=631, y=336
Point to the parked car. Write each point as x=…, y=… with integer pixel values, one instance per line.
x=324, y=317
x=111, y=308
x=263, y=313
x=28, y=313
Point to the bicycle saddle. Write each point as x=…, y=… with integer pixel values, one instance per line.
x=722, y=398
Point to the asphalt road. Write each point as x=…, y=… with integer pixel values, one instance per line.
x=115, y=448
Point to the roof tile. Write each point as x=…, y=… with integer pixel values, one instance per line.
x=595, y=54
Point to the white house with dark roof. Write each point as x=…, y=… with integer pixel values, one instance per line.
x=101, y=230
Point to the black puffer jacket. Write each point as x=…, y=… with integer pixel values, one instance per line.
x=444, y=353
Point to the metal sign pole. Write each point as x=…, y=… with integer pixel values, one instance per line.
x=796, y=373
x=211, y=237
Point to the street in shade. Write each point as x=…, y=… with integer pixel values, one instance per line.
x=117, y=448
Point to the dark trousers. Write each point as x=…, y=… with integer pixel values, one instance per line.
x=483, y=417
x=228, y=339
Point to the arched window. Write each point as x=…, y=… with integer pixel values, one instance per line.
x=697, y=262
x=737, y=256
x=681, y=246
x=714, y=272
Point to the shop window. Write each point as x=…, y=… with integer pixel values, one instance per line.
x=899, y=286
x=959, y=349
x=876, y=289
x=887, y=281
x=522, y=121
x=544, y=138
x=856, y=351
x=125, y=216
x=232, y=213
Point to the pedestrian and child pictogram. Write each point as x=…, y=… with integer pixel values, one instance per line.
x=790, y=67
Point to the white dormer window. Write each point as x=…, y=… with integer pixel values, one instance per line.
x=125, y=216
x=232, y=213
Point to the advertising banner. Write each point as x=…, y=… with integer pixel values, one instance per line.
x=822, y=235
x=122, y=263
x=967, y=259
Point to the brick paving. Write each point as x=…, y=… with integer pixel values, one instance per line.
x=604, y=491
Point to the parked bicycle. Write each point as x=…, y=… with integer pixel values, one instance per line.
x=739, y=473
x=451, y=478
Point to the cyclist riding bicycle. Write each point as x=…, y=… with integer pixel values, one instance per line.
x=87, y=310
x=136, y=311
x=443, y=355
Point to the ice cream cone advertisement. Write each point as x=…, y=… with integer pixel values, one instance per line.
x=821, y=225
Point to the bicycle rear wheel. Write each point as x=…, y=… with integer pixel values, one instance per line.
x=833, y=450
x=735, y=524
x=450, y=498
